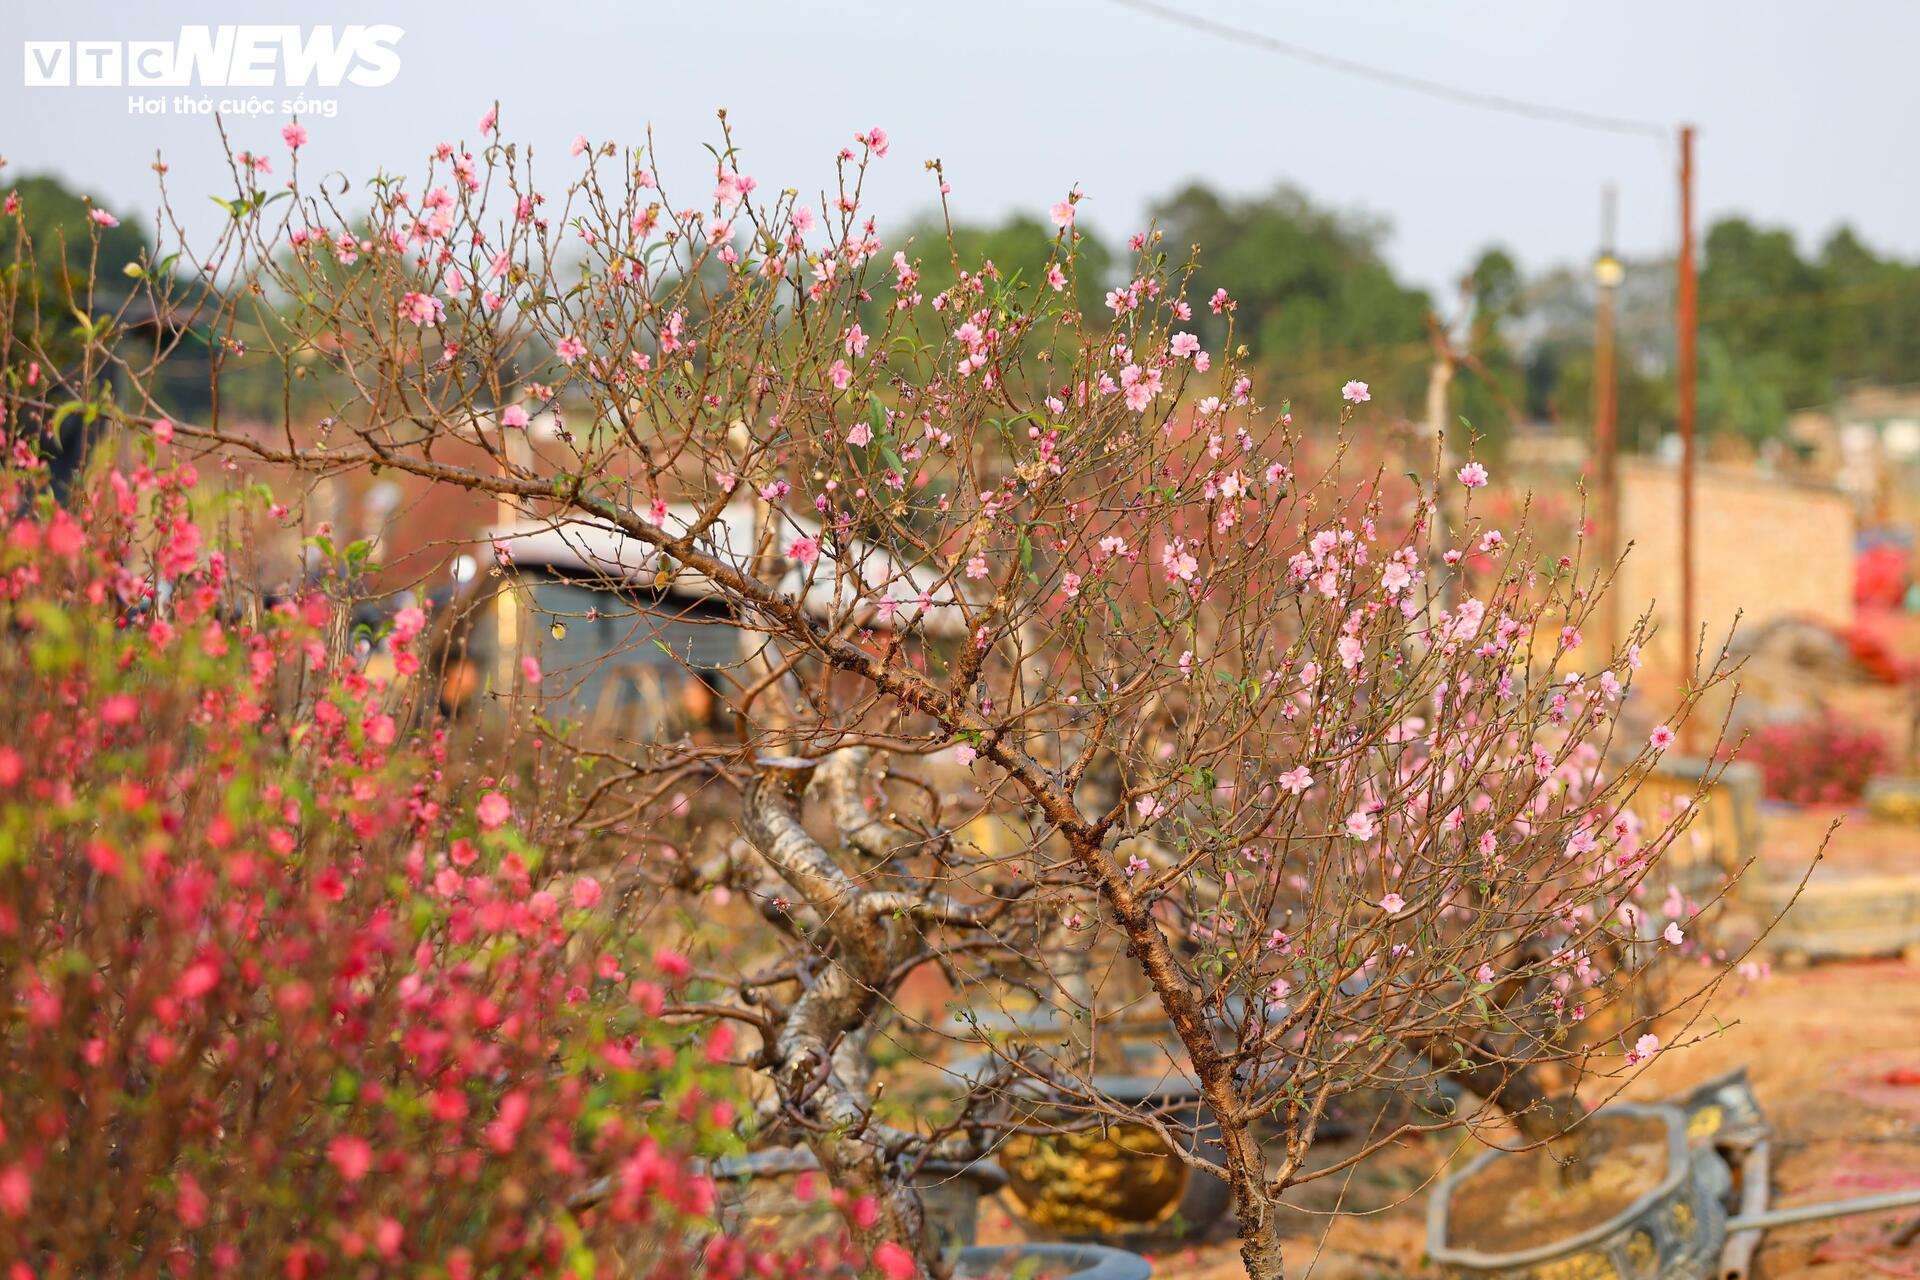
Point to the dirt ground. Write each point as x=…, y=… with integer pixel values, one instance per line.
x=1832, y=1049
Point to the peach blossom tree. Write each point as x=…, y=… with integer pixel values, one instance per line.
x=1312, y=753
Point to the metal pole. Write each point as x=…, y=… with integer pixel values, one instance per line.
x=1756, y=1184
x=1687, y=324
x=1817, y=1212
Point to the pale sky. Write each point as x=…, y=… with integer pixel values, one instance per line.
x=1805, y=113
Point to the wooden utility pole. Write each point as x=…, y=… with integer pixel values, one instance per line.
x=1686, y=324
x=1447, y=356
x=1607, y=275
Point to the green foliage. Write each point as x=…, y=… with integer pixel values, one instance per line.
x=1315, y=298
x=79, y=270
x=1312, y=288
x=1490, y=390
x=57, y=222
x=1019, y=248
x=1779, y=330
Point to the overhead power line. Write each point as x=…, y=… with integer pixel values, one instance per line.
x=1417, y=84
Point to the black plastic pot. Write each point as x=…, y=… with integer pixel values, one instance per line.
x=1091, y=1262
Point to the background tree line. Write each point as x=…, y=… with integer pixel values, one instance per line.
x=1318, y=299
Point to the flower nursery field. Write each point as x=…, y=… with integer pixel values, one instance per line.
x=995, y=728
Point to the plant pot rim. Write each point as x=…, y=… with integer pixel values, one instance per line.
x=1127, y=1087
x=1046, y=1019
x=1679, y=1170
x=1169, y=1086
x=777, y=1161
x=1095, y=1261
x=1707, y=1088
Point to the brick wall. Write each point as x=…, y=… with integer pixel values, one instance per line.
x=1764, y=548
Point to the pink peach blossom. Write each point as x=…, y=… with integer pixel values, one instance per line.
x=351, y=1155
x=493, y=811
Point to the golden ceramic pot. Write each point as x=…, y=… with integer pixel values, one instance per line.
x=1115, y=1182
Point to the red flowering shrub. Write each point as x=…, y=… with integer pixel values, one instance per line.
x=278, y=998
x=1880, y=576
x=1875, y=655
x=1823, y=761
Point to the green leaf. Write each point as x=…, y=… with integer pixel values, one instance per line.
x=344, y=1088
